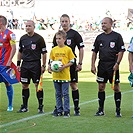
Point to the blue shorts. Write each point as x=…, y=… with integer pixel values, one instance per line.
x=1, y=77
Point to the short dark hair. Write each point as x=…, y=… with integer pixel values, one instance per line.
x=61, y=33
x=3, y=19
x=110, y=19
x=65, y=15
x=33, y=23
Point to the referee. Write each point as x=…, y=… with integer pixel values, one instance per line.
x=73, y=40
x=31, y=47
x=110, y=46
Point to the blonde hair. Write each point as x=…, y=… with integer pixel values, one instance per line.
x=61, y=33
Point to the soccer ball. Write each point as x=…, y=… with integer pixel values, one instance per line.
x=55, y=65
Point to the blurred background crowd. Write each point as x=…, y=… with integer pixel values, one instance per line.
x=85, y=15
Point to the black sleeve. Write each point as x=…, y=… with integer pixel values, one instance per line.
x=95, y=45
x=79, y=40
x=121, y=46
x=20, y=46
x=43, y=46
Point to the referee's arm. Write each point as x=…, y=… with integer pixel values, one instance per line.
x=44, y=56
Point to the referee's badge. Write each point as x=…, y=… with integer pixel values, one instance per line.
x=33, y=46
x=112, y=44
x=68, y=41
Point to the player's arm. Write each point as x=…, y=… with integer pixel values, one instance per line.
x=80, y=45
x=51, y=58
x=93, y=60
x=116, y=66
x=13, y=51
x=19, y=56
x=44, y=56
x=67, y=65
x=81, y=55
x=12, y=40
x=49, y=66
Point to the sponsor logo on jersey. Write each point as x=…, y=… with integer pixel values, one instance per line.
x=68, y=42
x=112, y=44
x=100, y=79
x=33, y=46
x=24, y=80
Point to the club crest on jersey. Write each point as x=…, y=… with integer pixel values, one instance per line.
x=112, y=44
x=68, y=41
x=33, y=46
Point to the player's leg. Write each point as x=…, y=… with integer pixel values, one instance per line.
x=102, y=80
x=117, y=98
x=10, y=92
x=58, y=95
x=40, y=97
x=36, y=75
x=65, y=93
x=74, y=87
x=117, y=93
x=75, y=97
x=25, y=80
x=25, y=97
x=101, y=99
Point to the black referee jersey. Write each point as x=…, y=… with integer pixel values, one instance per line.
x=32, y=47
x=73, y=39
x=108, y=46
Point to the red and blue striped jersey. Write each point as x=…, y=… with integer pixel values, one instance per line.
x=7, y=38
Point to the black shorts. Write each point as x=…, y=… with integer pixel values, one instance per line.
x=74, y=73
x=30, y=70
x=105, y=72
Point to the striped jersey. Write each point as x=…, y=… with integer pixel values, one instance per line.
x=7, y=38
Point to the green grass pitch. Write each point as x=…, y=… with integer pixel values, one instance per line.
x=31, y=122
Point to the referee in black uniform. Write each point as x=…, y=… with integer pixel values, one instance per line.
x=31, y=47
x=110, y=46
x=73, y=40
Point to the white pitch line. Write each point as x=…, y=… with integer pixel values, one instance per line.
x=47, y=113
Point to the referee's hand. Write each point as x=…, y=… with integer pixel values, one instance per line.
x=43, y=69
x=19, y=68
x=93, y=70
